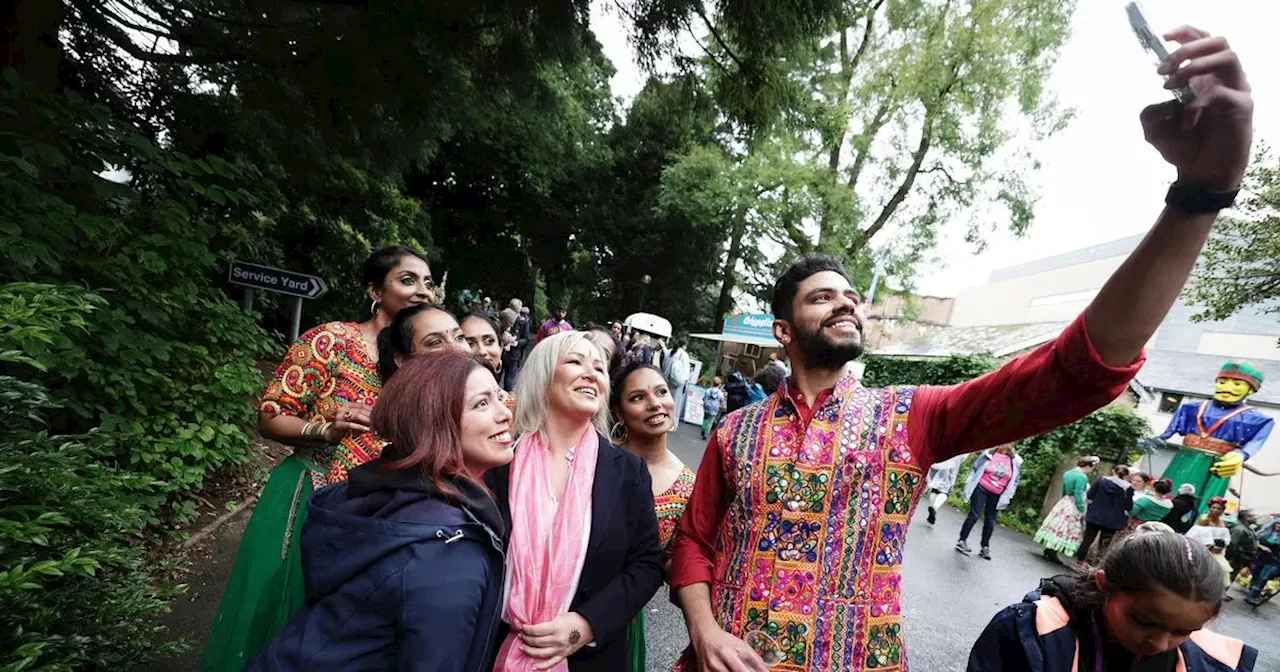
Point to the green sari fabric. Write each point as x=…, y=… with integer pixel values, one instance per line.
x=1192, y=466
x=266, y=584
x=636, y=638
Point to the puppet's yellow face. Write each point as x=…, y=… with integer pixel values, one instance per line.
x=1231, y=390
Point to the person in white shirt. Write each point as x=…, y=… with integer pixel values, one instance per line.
x=676, y=372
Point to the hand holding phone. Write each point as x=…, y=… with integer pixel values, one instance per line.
x=1152, y=43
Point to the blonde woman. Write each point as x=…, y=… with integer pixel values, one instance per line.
x=583, y=556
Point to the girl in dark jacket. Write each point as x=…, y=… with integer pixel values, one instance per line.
x=1182, y=517
x=1110, y=500
x=1142, y=611
x=403, y=562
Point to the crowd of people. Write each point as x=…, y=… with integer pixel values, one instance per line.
x=469, y=494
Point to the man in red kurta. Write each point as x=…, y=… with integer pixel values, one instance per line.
x=788, y=556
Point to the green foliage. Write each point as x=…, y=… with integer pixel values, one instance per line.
x=73, y=579
x=1110, y=432
x=121, y=391
x=863, y=139
x=886, y=371
x=1241, y=264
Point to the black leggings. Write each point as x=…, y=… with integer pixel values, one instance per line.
x=986, y=502
x=1091, y=531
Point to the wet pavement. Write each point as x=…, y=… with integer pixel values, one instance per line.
x=949, y=598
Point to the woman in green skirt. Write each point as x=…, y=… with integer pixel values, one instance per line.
x=319, y=402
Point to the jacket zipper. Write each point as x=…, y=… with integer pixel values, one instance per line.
x=496, y=545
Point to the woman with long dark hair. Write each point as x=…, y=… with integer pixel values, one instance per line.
x=320, y=403
x=404, y=559
x=417, y=330
x=644, y=410
x=1143, y=609
x=583, y=557
x=484, y=337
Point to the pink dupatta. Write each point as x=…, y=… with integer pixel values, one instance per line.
x=548, y=541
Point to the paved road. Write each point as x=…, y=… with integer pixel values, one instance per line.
x=949, y=598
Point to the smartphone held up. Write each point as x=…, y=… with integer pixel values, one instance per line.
x=1151, y=42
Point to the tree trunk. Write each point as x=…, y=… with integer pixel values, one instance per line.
x=725, y=303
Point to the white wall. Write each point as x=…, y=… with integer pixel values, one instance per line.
x=1246, y=346
x=1258, y=492
x=1059, y=294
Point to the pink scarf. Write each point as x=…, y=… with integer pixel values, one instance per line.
x=548, y=541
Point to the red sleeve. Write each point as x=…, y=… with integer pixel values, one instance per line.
x=693, y=548
x=1054, y=385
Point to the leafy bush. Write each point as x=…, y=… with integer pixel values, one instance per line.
x=1111, y=431
x=121, y=391
x=886, y=371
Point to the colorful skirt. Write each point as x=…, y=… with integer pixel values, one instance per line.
x=1192, y=466
x=1063, y=529
x=266, y=584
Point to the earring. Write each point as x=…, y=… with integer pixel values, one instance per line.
x=373, y=307
x=618, y=433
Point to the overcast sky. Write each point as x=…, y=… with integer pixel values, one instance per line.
x=1100, y=181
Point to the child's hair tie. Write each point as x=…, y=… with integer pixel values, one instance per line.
x=1187, y=544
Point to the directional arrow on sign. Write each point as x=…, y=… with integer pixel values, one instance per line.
x=278, y=280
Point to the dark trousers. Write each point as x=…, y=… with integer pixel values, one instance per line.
x=1091, y=532
x=986, y=502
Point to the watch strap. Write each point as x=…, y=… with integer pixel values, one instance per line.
x=1198, y=200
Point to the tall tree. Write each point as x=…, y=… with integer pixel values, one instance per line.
x=630, y=235
x=1240, y=267
x=922, y=114
x=905, y=116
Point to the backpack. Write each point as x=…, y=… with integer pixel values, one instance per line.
x=678, y=368
x=736, y=394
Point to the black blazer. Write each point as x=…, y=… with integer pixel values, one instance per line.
x=623, y=567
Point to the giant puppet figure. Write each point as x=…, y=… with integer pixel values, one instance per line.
x=1218, y=435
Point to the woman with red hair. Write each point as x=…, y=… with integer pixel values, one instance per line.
x=403, y=561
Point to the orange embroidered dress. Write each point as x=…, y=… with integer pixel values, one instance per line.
x=327, y=367
x=670, y=506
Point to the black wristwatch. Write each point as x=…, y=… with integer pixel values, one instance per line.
x=1197, y=200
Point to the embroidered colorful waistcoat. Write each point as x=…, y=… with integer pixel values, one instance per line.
x=811, y=547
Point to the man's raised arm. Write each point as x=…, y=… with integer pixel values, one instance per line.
x=1208, y=141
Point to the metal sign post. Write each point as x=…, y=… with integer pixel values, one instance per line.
x=297, y=285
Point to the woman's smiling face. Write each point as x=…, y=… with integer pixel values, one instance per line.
x=579, y=385
x=646, y=406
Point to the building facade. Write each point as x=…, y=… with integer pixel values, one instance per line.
x=1183, y=356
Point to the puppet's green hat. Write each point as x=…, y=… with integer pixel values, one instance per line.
x=1242, y=371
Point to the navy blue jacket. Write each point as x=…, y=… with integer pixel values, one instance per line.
x=1040, y=634
x=623, y=566
x=398, y=577
x=1109, y=504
